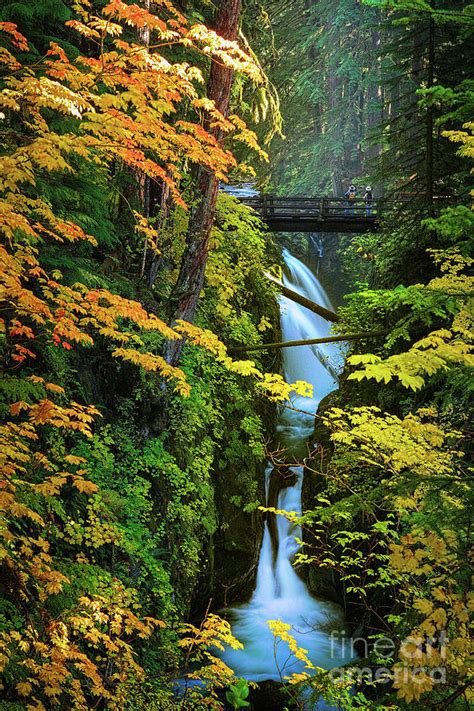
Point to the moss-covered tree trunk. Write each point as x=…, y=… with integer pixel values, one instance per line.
x=186, y=292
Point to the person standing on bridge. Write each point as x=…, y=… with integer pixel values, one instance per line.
x=350, y=195
x=368, y=197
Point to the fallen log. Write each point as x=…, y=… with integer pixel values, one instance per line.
x=308, y=342
x=303, y=301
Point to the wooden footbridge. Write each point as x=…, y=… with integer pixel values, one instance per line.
x=317, y=214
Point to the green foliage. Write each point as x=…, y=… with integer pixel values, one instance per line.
x=391, y=498
x=237, y=694
x=455, y=225
x=42, y=22
x=326, y=68
x=238, y=294
x=150, y=523
x=14, y=388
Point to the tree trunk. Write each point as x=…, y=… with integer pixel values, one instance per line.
x=307, y=303
x=430, y=114
x=190, y=281
x=164, y=212
x=334, y=103
x=309, y=341
x=143, y=179
x=374, y=104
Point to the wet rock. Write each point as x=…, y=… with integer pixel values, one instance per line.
x=323, y=583
x=269, y=696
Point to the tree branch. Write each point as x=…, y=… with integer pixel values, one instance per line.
x=310, y=341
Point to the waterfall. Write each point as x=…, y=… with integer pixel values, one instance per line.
x=280, y=593
x=314, y=365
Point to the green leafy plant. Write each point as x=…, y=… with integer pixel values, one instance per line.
x=237, y=694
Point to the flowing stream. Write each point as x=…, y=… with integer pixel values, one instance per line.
x=280, y=594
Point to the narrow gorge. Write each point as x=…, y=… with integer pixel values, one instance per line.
x=280, y=593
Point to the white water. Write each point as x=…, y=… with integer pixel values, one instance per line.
x=243, y=190
x=315, y=364
x=280, y=594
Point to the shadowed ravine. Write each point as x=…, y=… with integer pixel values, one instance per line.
x=280, y=594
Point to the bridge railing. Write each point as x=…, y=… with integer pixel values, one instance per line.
x=270, y=206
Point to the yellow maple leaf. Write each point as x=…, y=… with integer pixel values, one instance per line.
x=85, y=486
x=24, y=688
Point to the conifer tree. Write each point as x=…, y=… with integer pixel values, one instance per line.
x=193, y=263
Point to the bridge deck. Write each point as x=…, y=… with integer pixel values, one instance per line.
x=300, y=214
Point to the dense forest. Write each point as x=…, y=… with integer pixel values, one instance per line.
x=194, y=514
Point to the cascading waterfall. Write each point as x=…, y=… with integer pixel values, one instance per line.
x=314, y=364
x=280, y=594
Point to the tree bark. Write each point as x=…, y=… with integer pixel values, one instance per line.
x=143, y=179
x=157, y=259
x=190, y=281
x=311, y=305
x=334, y=97
x=430, y=114
x=308, y=342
